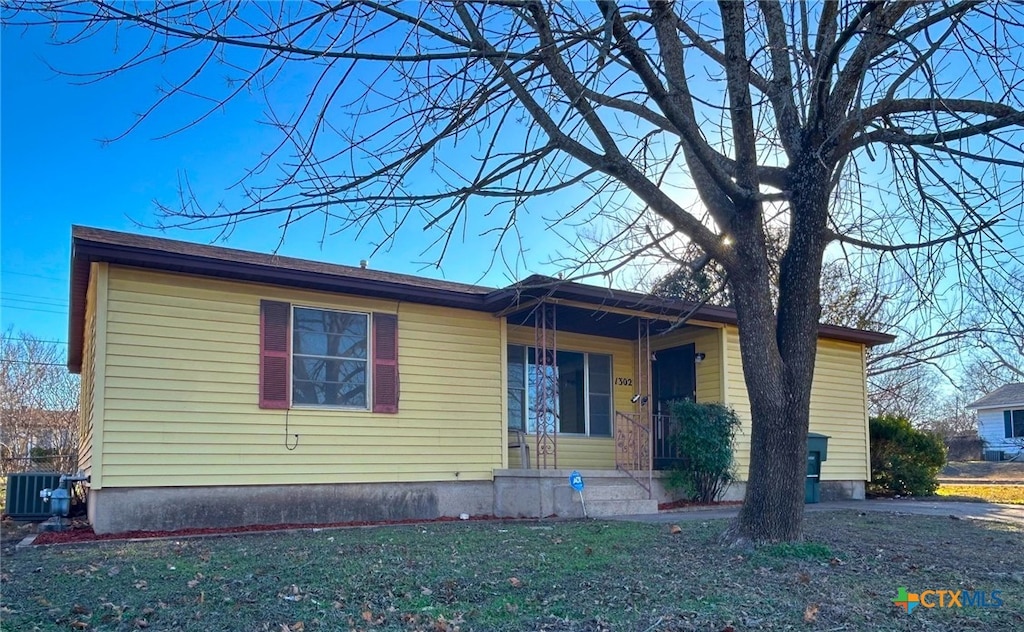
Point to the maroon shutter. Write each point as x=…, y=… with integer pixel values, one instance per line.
x=385, y=363
x=274, y=348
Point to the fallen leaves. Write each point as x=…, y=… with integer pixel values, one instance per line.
x=515, y=581
x=292, y=593
x=811, y=613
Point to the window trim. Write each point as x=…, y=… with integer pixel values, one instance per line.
x=368, y=316
x=527, y=397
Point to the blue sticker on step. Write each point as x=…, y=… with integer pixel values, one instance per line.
x=576, y=481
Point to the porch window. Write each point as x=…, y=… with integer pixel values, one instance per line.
x=583, y=403
x=330, y=358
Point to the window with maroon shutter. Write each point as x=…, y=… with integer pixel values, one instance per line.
x=385, y=363
x=330, y=358
x=274, y=349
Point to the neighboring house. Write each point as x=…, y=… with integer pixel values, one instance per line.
x=1001, y=420
x=223, y=387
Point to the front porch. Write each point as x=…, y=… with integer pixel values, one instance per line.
x=588, y=389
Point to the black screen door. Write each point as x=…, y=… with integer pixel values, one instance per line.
x=675, y=377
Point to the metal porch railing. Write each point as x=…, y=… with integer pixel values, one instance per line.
x=633, y=448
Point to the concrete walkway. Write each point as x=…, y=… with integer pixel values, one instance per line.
x=979, y=511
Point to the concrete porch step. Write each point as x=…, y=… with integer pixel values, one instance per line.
x=623, y=491
x=531, y=493
x=609, y=508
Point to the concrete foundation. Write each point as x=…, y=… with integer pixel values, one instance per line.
x=114, y=510
x=842, y=490
x=513, y=494
x=830, y=490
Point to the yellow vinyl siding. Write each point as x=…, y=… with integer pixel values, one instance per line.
x=838, y=407
x=182, y=395
x=88, y=377
x=709, y=372
x=575, y=451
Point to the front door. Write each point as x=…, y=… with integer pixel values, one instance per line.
x=674, y=376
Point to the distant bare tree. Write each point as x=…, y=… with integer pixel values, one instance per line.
x=38, y=404
x=950, y=417
x=910, y=392
x=885, y=127
x=997, y=357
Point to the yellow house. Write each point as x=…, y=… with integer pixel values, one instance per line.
x=222, y=387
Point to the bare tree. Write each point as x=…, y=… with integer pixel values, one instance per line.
x=997, y=357
x=884, y=127
x=38, y=404
x=905, y=378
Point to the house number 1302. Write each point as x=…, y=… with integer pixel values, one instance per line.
x=623, y=381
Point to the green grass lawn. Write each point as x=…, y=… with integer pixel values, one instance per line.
x=524, y=576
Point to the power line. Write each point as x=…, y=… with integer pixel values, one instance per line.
x=53, y=342
x=7, y=303
x=33, y=363
x=22, y=295
x=42, y=311
x=46, y=302
x=36, y=276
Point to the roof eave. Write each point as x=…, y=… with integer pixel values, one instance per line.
x=85, y=252
x=78, y=288
x=998, y=406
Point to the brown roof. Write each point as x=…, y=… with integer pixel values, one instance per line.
x=89, y=245
x=233, y=255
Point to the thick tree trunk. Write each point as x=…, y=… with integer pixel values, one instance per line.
x=774, y=503
x=778, y=345
x=779, y=397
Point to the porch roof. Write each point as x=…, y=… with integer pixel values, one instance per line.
x=599, y=305
x=583, y=308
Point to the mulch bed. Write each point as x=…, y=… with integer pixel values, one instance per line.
x=82, y=532
x=689, y=504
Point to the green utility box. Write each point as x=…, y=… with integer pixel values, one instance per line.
x=817, y=451
x=23, y=501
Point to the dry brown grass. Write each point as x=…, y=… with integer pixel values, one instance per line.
x=558, y=576
x=1011, y=494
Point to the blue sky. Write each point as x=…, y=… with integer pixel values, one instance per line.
x=57, y=171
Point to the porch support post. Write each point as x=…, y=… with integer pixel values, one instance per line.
x=545, y=401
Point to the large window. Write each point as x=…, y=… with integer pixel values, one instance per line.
x=1015, y=427
x=582, y=402
x=330, y=358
